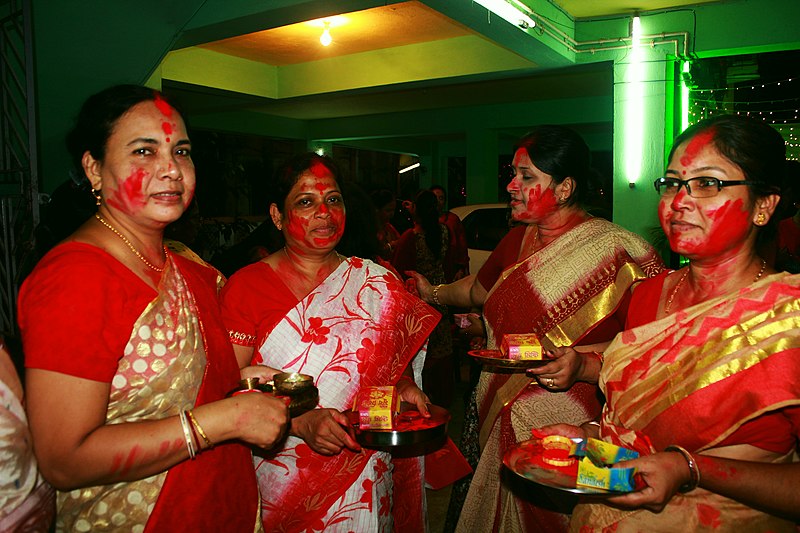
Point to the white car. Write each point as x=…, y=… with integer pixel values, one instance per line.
x=485, y=226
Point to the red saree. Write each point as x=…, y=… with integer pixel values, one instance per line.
x=161, y=352
x=665, y=382
x=567, y=292
x=359, y=327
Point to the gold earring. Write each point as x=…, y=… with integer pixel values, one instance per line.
x=761, y=219
x=97, y=197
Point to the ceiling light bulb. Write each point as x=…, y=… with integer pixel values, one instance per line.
x=325, y=39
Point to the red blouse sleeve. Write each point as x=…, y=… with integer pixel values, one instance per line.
x=503, y=256
x=253, y=300
x=77, y=310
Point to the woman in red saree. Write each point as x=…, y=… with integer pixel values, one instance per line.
x=349, y=323
x=128, y=362
x=564, y=276
x=704, y=383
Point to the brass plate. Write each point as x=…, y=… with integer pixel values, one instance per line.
x=519, y=460
x=496, y=358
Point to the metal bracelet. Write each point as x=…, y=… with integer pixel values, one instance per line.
x=435, y=294
x=694, y=470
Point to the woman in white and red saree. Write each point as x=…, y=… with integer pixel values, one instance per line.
x=349, y=323
x=563, y=276
x=128, y=361
x=703, y=383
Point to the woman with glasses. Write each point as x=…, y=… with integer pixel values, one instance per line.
x=703, y=383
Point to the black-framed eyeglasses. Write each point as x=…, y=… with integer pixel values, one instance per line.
x=701, y=187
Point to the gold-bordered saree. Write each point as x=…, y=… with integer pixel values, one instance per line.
x=561, y=293
x=178, y=356
x=693, y=379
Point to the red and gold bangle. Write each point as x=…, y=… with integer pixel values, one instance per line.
x=196, y=426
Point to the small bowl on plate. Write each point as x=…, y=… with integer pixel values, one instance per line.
x=292, y=382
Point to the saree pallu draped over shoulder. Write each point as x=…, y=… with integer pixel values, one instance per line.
x=360, y=327
x=178, y=356
x=560, y=293
x=693, y=379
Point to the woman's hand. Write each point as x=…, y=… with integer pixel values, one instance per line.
x=663, y=473
x=424, y=288
x=409, y=392
x=475, y=327
x=324, y=431
x=260, y=419
x=563, y=370
x=262, y=372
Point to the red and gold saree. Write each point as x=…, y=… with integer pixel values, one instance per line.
x=84, y=313
x=697, y=378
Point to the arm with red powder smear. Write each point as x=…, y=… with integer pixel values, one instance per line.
x=772, y=488
x=76, y=448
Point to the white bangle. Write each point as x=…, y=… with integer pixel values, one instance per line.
x=187, y=434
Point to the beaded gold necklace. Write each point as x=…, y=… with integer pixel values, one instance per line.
x=130, y=245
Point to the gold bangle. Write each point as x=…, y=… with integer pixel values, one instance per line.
x=196, y=425
x=694, y=470
x=435, y=294
x=600, y=358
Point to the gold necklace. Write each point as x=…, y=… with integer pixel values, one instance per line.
x=680, y=281
x=130, y=245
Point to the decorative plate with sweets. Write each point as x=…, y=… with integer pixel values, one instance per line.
x=410, y=427
x=549, y=464
x=496, y=358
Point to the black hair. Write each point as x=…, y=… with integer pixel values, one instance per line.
x=753, y=146
x=561, y=153
x=98, y=116
x=291, y=170
x=381, y=197
x=360, y=238
x=426, y=213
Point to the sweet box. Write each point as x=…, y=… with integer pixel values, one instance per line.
x=377, y=407
x=521, y=346
x=595, y=470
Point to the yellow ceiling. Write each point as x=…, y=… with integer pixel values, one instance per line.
x=359, y=31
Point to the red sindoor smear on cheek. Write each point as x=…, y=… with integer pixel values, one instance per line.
x=130, y=196
x=297, y=227
x=731, y=221
x=696, y=145
x=727, y=224
x=540, y=203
